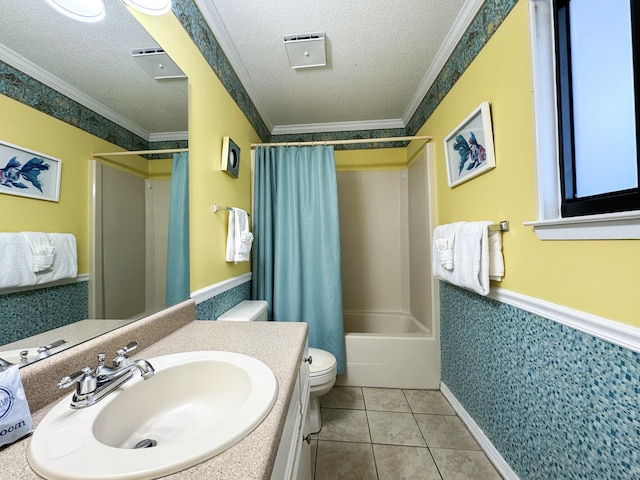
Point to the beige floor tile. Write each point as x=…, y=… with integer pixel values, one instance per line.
x=385, y=399
x=344, y=397
x=428, y=401
x=444, y=431
x=344, y=425
x=464, y=465
x=345, y=461
x=394, y=428
x=404, y=463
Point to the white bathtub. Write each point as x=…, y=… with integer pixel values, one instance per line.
x=391, y=350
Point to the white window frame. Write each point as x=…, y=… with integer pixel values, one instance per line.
x=550, y=225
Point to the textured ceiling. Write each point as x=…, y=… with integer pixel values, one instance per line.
x=378, y=54
x=381, y=57
x=95, y=60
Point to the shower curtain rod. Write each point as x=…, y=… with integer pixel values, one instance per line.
x=140, y=152
x=343, y=142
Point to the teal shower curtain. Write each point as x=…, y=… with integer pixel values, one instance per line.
x=178, y=278
x=296, y=251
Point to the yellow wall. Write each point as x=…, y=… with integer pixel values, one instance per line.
x=373, y=159
x=212, y=115
x=598, y=277
x=26, y=127
x=23, y=126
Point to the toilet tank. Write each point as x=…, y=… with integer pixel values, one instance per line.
x=246, y=311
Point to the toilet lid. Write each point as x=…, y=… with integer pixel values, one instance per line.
x=321, y=362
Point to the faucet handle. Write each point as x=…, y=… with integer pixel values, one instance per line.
x=85, y=381
x=121, y=359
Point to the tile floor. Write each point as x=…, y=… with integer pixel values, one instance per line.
x=393, y=434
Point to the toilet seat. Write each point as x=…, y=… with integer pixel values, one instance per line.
x=323, y=367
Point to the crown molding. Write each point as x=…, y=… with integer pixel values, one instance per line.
x=462, y=22
x=337, y=126
x=17, y=61
x=219, y=30
x=168, y=136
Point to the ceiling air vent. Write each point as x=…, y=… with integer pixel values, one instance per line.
x=157, y=63
x=306, y=50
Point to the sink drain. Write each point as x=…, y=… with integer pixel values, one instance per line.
x=145, y=443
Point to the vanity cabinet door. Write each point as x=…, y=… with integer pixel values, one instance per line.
x=293, y=461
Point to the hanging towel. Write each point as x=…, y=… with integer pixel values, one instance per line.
x=41, y=251
x=239, y=238
x=231, y=237
x=65, y=262
x=470, y=258
x=15, y=269
x=496, y=260
x=17, y=266
x=443, y=246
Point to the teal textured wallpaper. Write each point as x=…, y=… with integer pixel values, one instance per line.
x=555, y=402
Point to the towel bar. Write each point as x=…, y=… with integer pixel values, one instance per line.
x=217, y=208
x=503, y=226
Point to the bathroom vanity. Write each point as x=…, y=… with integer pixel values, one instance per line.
x=275, y=449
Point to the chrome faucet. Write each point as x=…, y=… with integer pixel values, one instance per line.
x=44, y=351
x=93, y=385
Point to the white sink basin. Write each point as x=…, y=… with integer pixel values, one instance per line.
x=195, y=406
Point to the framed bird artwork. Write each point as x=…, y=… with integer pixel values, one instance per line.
x=27, y=173
x=469, y=147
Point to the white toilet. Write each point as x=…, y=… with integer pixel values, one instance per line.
x=322, y=371
x=322, y=376
x=247, y=311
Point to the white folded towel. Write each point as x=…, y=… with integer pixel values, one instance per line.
x=239, y=238
x=444, y=237
x=41, y=257
x=496, y=260
x=470, y=257
x=15, y=269
x=17, y=259
x=65, y=263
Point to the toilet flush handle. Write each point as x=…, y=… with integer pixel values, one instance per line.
x=309, y=359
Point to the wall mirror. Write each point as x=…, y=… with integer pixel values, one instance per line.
x=92, y=63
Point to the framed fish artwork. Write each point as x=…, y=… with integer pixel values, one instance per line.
x=469, y=147
x=27, y=173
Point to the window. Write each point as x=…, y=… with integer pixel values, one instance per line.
x=585, y=113
x=596, y=106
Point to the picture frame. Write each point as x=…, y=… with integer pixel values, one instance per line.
x=230, y=157
x=469, y=148
x=27, y=173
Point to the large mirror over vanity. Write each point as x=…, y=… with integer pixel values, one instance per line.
x=69, y=90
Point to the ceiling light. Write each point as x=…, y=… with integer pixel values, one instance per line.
x=150, y=7
x=82, y=10
x=305, y=50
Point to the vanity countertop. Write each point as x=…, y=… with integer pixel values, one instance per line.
x=280, y=345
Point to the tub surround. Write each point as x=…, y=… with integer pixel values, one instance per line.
x=279, y=345
x=390, y=350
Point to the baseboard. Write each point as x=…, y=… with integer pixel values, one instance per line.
x=492, y=453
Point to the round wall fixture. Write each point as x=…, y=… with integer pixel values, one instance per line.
x=230, y=157
x=150, y=7
x=82, y=10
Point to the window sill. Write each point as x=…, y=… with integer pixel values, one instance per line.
x=609, y=226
